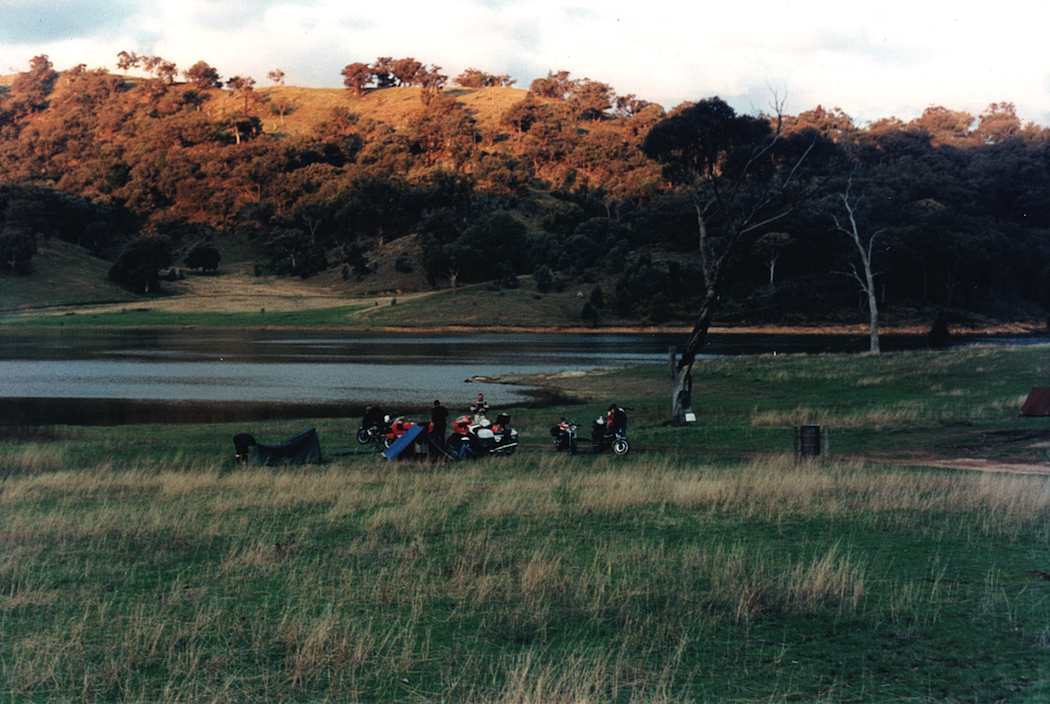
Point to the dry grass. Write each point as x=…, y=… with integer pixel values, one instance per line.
x=339, y=583
x=887, y=416
x=32, y=458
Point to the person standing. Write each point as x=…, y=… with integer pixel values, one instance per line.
x=373, y=417
x=439, y=421
x=242, y=445
x=480, y=408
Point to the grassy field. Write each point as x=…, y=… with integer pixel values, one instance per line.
x=140, y=564
x=70, y=288
x=64, y=275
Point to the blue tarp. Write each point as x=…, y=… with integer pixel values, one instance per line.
x=405, y=447
x=403, y=443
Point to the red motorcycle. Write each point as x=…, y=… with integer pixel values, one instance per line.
x=470, y=439
x=398, y=428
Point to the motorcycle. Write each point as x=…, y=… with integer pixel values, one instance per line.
x=397, y=429
x=470, y=439
x=375, y=432
x=603, y=437
x=564, y=434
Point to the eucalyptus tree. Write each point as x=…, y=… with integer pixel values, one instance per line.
x=356, y=76
x=743, y=175
x=31, y=88
x=863, y=239
x=202, y=76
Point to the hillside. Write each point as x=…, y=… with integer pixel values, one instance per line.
x=64, y=275
x=69, y=287
x=410, y=189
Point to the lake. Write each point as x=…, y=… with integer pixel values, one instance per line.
x=91, y=376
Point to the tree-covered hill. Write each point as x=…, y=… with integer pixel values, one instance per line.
x=404, y=176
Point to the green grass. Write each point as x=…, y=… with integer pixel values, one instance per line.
x=478, y=306
x=140, y=315
x=63, y=275
x=140, y=564
x=471, y=306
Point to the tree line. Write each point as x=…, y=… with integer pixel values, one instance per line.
x=566, y=181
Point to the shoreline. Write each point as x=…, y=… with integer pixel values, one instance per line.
x=1019, y=328
x=860, y=329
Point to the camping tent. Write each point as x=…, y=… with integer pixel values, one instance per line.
x=1038, y=403
x=415, y=443
x=304, y=448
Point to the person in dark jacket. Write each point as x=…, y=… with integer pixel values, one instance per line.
x=242, y=445
x=373, y=417
x=439, y=418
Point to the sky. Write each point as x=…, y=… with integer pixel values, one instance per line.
x=892, y=58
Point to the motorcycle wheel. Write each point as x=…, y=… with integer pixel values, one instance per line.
x=572, y=446
x=454, y=442
x=363, y=437
x=388, y=441
x=621, y=447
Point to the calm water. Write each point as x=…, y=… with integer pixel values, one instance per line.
x=91, y=376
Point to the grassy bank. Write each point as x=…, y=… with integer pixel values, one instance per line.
x=139, y=564
x=64, y=275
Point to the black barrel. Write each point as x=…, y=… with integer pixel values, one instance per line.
x=809, y=441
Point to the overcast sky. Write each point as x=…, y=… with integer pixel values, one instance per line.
x=872, y=59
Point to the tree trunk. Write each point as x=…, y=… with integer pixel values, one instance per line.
x=681, y=396
x=873, y=312
x=864, y=250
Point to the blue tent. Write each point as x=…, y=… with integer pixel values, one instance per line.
x=416, y=444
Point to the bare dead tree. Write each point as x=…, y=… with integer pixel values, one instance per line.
x=865, y=244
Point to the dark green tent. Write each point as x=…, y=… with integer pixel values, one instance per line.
x=304, y=448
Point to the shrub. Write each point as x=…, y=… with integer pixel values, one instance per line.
x=203, y=258
x=138, y=266
x=544, y=278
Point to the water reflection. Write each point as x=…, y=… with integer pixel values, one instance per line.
x=287, y=373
